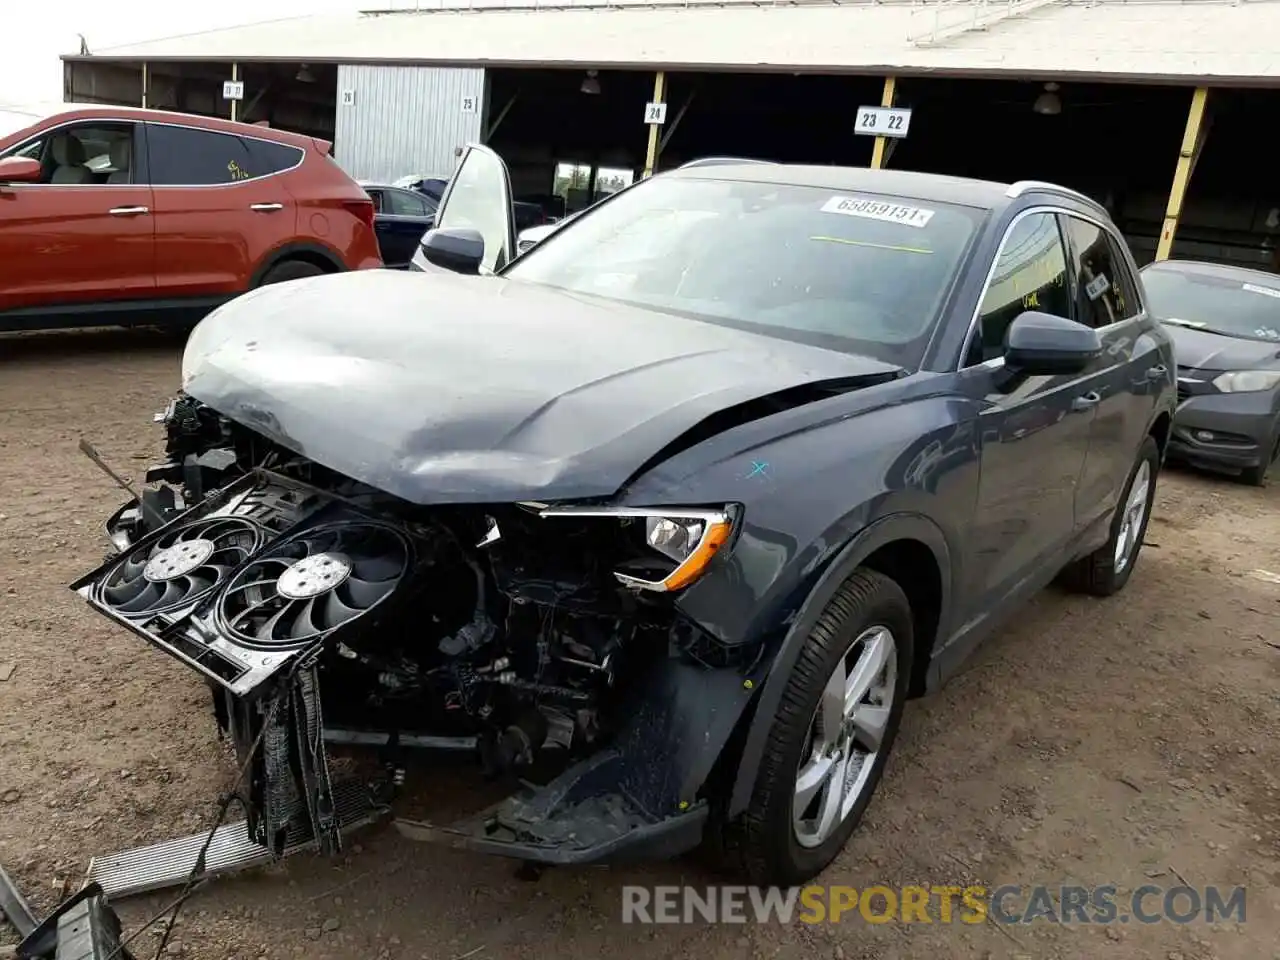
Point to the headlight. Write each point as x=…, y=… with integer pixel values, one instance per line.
x=1246, y=381
x=689, y=537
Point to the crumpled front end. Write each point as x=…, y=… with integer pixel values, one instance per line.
x=328, y=616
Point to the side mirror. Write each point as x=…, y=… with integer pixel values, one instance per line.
x=1041, y=344
x=20, y=170
x=459, y=249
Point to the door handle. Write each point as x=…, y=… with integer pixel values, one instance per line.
x=266, y=207
x=128, y=211
x=1157, y=372
x=1086, y=402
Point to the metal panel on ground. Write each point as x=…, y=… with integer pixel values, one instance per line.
x=396, y=121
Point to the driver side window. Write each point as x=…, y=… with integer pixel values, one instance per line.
x=1030, y=274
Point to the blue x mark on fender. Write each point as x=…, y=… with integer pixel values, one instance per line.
x=758, y=469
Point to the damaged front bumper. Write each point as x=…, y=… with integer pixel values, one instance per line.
x=638, y=793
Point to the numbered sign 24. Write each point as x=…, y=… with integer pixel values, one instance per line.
x=655, y=113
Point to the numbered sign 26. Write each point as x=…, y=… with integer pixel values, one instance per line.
x=882, y=121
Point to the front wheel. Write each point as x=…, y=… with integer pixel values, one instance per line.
x=1257, y=476
x=831, y=736
x=1107, y=569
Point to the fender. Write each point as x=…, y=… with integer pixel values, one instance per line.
x=874, y=536
x=291, y=251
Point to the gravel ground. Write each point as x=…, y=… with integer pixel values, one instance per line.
x=1128, y=741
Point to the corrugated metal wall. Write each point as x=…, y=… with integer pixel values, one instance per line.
x=405, y=120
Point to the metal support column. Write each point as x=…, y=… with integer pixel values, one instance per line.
x=235, y=75
x=1188, y=154
x=884, y=146
x=651, y=157
x=146, y=80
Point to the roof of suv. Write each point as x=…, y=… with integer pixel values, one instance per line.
x=91, y=111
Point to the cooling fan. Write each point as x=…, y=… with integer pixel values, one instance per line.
x=310, y=583
x=180, y=567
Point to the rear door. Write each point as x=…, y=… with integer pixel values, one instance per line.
x=402, y=218
x=1126, y=380
x=220, y=207
x=479, y=198
x=83, y=236
x=1033, y=430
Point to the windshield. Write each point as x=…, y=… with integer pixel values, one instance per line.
x=863, y=274
x=1220, y=303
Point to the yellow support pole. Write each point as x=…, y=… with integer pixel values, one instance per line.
x=880, y=152
x=651, y=156
x=1192, y=143
x=235, y=75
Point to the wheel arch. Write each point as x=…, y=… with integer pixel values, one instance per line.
x=322, y=256
x=896, y=546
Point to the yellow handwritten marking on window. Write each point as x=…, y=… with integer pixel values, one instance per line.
x=236, y=171
x=875, y=246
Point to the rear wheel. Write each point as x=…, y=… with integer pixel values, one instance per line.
x=831, y=736
x=1107, y=569
x=291, y=270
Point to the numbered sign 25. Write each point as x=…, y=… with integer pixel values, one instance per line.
x=882, y=121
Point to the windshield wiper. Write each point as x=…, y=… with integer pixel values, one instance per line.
x=1193, y=324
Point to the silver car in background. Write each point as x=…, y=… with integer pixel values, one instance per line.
x=1225, y=325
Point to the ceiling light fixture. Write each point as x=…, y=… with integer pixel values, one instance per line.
x=591, y=85
x=1048, y=104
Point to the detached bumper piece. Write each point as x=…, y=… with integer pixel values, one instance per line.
x=571, y=820
x=168, y=864
x=83, y=927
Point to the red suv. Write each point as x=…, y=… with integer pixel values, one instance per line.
x=113, y=215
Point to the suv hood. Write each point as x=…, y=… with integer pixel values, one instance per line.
x=1205, y=350
x=443, y=388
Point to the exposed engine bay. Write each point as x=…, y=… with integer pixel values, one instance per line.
x=320, y=610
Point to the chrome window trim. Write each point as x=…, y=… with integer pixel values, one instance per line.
x=995, y=260
x=49, y=131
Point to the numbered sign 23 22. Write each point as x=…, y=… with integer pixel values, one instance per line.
x=882, y=121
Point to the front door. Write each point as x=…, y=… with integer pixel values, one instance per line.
x=1033, y=430
x=1127, y=378
x=83, y=236
x=479, y=198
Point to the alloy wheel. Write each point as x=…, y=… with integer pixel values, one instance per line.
x=845, y=736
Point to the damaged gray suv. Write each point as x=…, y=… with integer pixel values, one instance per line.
x=662, y=520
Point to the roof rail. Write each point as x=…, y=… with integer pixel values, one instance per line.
x=1022, y=186
x=719, y=161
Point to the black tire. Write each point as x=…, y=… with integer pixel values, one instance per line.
x=762, y=844
x=291, y=270
x=1096, y=574
x=1257, y=476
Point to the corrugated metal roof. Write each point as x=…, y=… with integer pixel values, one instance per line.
x=1195, y=40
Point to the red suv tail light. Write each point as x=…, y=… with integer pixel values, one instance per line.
x=363, y=209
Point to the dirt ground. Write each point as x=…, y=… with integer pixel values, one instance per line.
x=1128, y=741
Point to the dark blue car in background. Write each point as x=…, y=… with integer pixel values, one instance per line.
x=400, y=218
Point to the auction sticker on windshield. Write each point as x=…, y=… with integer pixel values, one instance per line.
x=870, y=209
